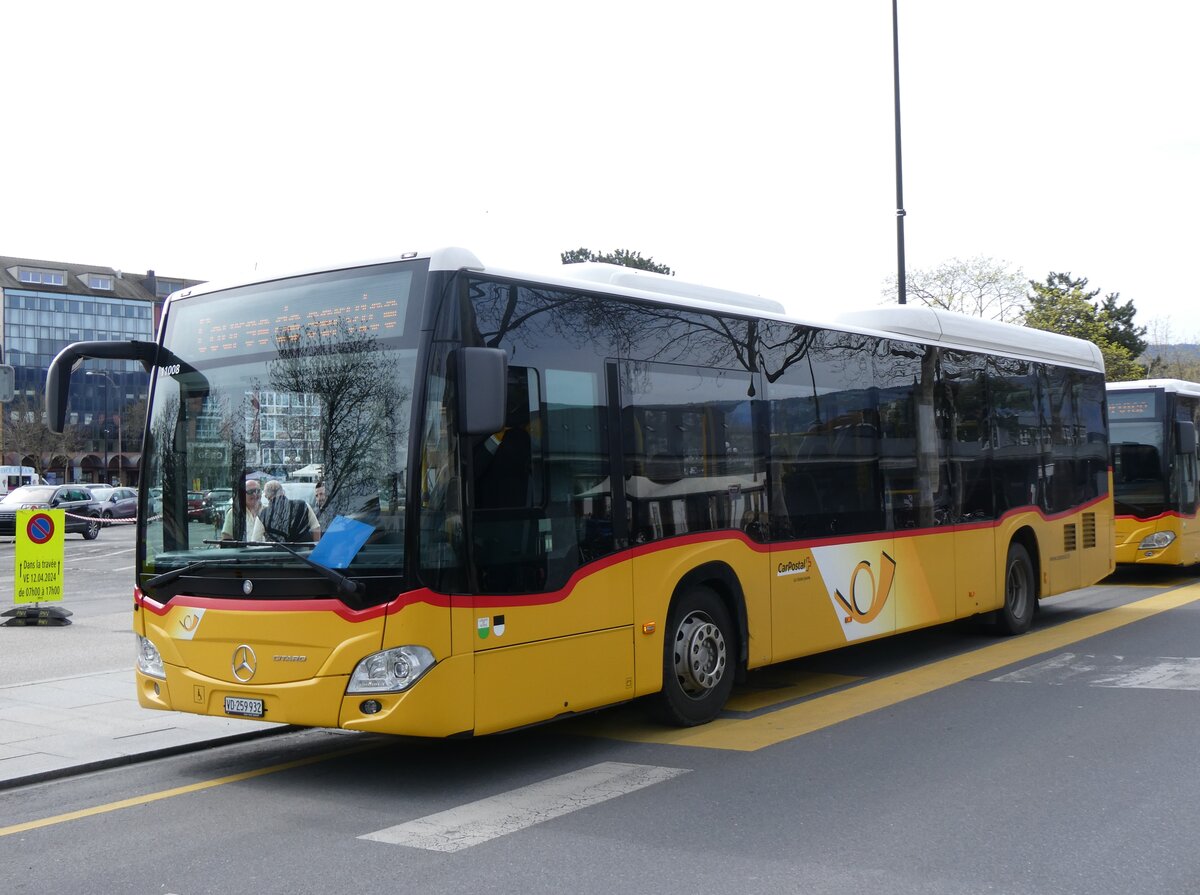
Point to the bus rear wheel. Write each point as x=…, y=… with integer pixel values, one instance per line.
x=1020, y=597
x=697, y=669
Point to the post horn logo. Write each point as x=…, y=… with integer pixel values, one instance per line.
x=879, y=591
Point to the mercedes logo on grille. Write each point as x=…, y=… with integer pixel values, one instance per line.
x=244, y=663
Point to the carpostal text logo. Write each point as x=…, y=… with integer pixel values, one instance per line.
x=794, y=568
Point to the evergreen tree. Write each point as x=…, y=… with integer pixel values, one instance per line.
x=1062, y=304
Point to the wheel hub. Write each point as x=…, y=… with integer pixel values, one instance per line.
x=700, y=654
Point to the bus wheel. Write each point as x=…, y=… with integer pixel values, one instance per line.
x=697, y=675
x=1016, y=615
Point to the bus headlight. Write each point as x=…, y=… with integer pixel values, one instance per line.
x=1157, y=541
x=391, y=670
x=148, y=660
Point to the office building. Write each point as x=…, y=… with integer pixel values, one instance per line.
x=47, y=305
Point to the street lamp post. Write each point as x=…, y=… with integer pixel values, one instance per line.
x=901, y=286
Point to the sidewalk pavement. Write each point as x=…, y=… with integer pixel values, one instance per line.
x=87, y=722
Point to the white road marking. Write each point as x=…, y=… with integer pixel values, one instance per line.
x=499, y=815
x=1164, y=673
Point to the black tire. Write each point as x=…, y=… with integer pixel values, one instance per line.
x=107, y=520
x=93, y=529
x=698, y=659
x=1020, y=592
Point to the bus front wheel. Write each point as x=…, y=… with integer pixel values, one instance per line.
x=1020, y=596
x=697, y=669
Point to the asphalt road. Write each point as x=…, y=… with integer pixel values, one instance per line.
x=945, y=761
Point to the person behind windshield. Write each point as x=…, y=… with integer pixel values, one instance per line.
x=253, y=527
x=286, y=520
x=320, y=504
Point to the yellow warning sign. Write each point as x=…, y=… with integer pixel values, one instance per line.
x=39, y=556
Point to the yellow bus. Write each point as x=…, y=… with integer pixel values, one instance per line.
x=543, y=495
x=1152, y=426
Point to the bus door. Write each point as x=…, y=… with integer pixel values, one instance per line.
x=1184, y=480
x=553, y=604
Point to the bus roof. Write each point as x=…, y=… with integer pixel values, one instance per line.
x=921, y=324
x=955, y=330
x=1180, y=386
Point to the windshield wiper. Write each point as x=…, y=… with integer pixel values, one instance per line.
x=345, y=584
x=168, y=577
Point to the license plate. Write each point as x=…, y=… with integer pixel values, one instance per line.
x=237, y=705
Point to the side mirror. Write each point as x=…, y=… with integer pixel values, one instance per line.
x=482, y=390
x=1185, y=437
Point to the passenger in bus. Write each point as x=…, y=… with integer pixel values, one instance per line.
x=286, y=520
x=503, y=460
x=321, y=509
x=253, y=527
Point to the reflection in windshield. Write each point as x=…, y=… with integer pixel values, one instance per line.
x=303, y=388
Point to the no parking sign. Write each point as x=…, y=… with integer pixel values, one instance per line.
x=39, y=556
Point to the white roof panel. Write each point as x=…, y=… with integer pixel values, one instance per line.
x=1179, y=386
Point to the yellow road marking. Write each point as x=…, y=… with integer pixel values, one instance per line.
x=749, y=700
x=177, y=791
x=752, y=734
x=629, y=723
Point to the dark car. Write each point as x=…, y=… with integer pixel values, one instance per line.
x=115, y=503
x=81, y=510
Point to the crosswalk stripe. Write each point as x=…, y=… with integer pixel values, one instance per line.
x=1166, y=673
x=499, y=815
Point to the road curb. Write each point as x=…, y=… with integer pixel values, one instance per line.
x=134, y=758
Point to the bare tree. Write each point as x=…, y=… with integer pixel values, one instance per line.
x=978, y=287
x=358, y=407
x=26, y=433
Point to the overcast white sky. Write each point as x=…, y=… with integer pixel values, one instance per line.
x=748, y=146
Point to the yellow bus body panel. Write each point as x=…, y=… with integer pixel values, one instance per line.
x=533, y=682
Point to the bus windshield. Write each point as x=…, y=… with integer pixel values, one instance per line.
x=283, y=418
x=1137, y=441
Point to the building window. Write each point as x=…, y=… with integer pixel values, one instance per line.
x=98, y=281
x=41, y=276
x=164, y=287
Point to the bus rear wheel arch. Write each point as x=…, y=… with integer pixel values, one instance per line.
x=699, y=658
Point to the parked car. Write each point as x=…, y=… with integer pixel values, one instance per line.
x=115, y=503
x=196, y=509
x=154, y=499
x=81, y=509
